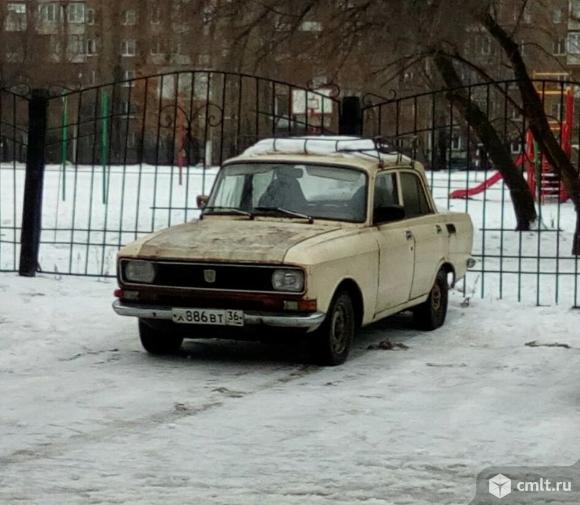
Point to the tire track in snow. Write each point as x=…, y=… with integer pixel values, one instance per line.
x=126, y=427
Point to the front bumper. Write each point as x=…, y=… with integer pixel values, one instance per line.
x=309, y=322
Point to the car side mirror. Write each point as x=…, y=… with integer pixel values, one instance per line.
x=389, y=214
x=202, y=201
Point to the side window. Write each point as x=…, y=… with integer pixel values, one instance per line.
x=386, y=193
x=414, y=198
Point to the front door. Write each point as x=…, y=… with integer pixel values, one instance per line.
x=396, y=249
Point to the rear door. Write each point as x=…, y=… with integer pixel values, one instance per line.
x=429, y=232
x=396, y=249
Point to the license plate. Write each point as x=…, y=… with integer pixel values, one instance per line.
x=208, y=317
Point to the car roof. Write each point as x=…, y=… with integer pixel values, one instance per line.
x=362, y=153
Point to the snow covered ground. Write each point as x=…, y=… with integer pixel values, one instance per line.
x=86, y=417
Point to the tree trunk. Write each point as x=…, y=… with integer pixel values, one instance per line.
x=536, y=116
x=522, y=199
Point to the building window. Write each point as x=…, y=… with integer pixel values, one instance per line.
x=575, y=11
x=76, y=13
x=208, y=14
x=155, y=16
x=156, y=47
x=91, y=16
x=91, y=47
x=15, y=17
x=178, y=48
x=204, y=60
x=48, y=13
x=557, y=16
x=559, y=47
x=130, y=17
x=54, y=49
x=76, y=46
x=129, y=108
x=132, y=140
x=129, y=48
x=485, y=46
x=128, y=75
x=574, y=43
x=311, y=26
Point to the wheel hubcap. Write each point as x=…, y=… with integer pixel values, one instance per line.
x=436, y=298
x=339, y=330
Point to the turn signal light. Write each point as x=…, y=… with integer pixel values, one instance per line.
x=300, y=305
x=126, y=295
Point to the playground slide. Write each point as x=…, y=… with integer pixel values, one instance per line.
x=480, y=188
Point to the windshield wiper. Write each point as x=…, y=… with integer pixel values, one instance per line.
x=226, y=211
x=285, y=211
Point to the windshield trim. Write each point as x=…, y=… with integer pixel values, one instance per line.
x=314, y=164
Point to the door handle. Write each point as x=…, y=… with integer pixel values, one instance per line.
x=409, y=235
x=451, y=229
x=438, y=229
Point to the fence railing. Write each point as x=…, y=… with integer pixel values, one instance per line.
x=13, y=146
x=535, y=266
x=125, y=159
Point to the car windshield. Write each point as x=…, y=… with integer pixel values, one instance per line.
x=290, y=190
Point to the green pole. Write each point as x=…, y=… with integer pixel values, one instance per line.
x=538, y=169
x=64, y=143
x=105, y=141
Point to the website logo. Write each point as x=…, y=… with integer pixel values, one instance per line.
x=500, y=486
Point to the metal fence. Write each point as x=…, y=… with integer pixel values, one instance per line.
x=128, y=158
x=13, y=145
x=535, y=266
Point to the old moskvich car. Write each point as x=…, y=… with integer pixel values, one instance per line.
x=313, y=236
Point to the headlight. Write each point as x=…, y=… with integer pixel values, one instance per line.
x=140, y=271
x=288, y=280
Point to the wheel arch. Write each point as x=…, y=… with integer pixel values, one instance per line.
x=449, y=269
x=353, y=289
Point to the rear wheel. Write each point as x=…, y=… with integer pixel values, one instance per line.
x=332, y=341
x=157, y=341
x=431, y=314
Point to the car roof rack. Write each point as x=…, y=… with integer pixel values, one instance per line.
x=374, y=147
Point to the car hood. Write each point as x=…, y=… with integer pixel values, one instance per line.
x=228, y=240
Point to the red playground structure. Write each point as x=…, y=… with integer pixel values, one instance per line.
x=537, y=167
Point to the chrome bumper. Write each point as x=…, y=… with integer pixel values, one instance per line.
x=309, y=322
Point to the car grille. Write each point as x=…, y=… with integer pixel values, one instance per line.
x=205, y=276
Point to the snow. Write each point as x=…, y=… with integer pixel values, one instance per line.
x=87, y=417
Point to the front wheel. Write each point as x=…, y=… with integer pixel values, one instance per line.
x=156, y=341
x=332, y=341
x=431, y=314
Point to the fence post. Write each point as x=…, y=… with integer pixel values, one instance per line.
x=33, y=183
x=351, y=117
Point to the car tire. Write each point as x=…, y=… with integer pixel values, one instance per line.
x=431, y=314
x=158, y=342
x=331, y=343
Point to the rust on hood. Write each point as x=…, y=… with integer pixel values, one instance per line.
x=231, y=240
